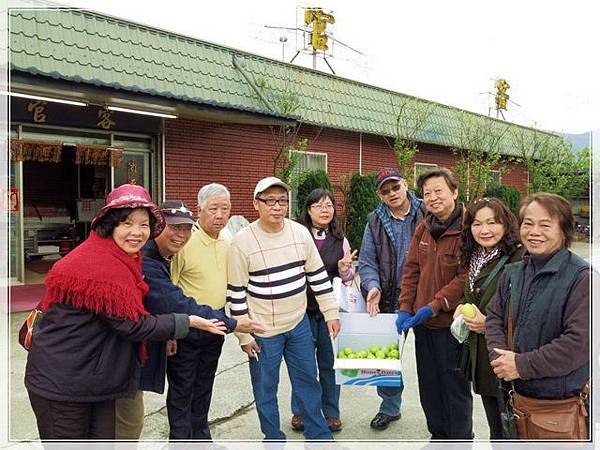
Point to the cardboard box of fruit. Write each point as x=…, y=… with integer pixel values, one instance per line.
x=367, y=350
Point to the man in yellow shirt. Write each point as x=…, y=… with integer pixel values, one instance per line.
x=200, y=269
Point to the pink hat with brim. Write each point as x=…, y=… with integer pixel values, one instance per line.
x=131, y=196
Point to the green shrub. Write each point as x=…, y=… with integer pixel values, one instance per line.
x=309, y=181
x=361, y=201
x=508, y=194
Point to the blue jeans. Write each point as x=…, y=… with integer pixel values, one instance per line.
x=391, y=398
x=330, y=399
x=297, y=347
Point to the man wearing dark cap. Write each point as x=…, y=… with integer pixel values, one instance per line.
x=164, y=297
x=382, y=254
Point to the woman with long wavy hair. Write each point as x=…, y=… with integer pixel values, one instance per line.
x=490, y=241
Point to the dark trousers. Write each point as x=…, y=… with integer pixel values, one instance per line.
x=492, y=413
x=444, y=392
x=71, y=420
x=191, y=374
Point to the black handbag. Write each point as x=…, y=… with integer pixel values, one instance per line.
x=508, y=418
x=463, y=364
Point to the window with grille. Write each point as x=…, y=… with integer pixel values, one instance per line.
x=309, y=161
x=495, y=177
x=421, y=168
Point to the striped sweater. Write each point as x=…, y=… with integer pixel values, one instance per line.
x=267, y=276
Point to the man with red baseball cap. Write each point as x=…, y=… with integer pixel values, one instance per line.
x=382, y=254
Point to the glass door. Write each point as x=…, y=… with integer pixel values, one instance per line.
x=134, y=170
x=16, y=269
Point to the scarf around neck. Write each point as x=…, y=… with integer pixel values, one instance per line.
x=98, y=276
x=479, y=260
x=437, y=228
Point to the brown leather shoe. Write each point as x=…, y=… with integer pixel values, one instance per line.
x=334, y=423
x=297, y=423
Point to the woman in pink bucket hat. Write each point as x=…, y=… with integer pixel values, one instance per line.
x=89, y=346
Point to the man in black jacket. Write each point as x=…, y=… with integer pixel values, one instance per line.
x=164, y=297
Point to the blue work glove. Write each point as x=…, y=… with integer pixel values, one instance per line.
x=402, y=318
x=422, y=314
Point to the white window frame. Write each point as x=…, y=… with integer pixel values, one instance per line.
x=291, y=210
x=303, y=152
x=431, y=165
x=499, y=172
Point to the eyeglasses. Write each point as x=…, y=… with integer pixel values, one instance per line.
x=283, y=202
x=321, y=207
x=387, y=190
x=181, y=227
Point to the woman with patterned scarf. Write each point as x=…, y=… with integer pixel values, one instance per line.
x=90, y=344
x=490, y=240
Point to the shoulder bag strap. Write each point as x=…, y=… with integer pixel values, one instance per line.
x=510, y=326
x=492, y=275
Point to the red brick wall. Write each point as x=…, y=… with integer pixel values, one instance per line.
x=198, y=153
x=516, y=176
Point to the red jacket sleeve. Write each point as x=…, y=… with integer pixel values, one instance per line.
x=411, y=273
x=450, y=296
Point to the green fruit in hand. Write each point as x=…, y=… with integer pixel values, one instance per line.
x=468, y=310
x=393, y=346
x=380, y=354
x=347, y=351
x=373, y=349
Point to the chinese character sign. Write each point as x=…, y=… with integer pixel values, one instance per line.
x=319, y=20
x=38, y=110
x=106, y=121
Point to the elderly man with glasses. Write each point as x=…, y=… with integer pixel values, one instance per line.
x=270, y=263
x=164, y=297
x=382, y=254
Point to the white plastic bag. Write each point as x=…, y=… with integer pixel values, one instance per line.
x=459, y=330
x=349, y=297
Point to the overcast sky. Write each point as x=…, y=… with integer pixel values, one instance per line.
x=446, y=51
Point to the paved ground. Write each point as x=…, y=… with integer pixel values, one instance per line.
x=233, y=414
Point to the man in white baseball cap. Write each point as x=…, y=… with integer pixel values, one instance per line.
x=269, y=264
x=268, y=182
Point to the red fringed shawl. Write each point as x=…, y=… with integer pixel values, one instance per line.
x=98, y=276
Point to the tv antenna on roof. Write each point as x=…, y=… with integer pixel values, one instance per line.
x=501, y=97
x=316, y=31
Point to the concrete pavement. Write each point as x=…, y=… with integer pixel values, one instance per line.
x=233, y=414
